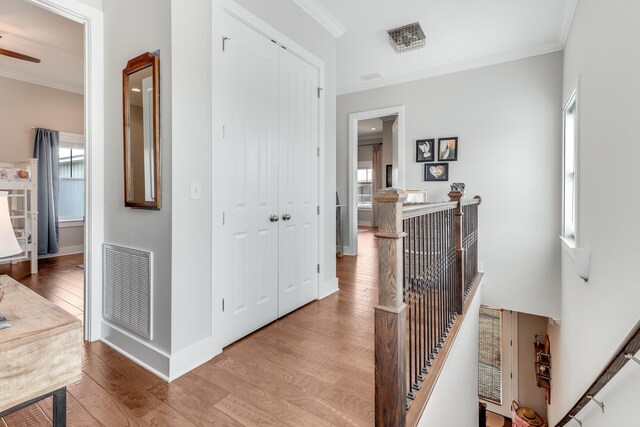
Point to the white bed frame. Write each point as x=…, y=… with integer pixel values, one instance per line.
x=23, y=206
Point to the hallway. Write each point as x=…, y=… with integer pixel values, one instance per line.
x=313, y=367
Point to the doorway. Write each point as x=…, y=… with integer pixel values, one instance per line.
x=93, y=111
x=389, y=139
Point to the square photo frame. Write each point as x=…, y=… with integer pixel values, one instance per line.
x=425, y=150
x=448, y=149
x=436, y=172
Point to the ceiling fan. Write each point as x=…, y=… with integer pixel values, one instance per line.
x=17, y=55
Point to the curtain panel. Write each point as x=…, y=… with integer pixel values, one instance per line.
x=46, y=150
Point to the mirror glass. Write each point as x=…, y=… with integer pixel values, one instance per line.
x=141, y=139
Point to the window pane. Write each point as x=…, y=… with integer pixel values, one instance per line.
x=71, y=199
x=570, y=141
x=490, y=355
x=77, y=163
x=64, y=162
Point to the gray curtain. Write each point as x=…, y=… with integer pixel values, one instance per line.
x=45, y=150
x=376, y=180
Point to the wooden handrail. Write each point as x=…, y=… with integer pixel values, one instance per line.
x=423, y=281
x=630, y=346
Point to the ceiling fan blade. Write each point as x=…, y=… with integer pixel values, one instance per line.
x=17, y=55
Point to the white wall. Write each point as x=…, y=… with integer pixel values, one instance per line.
x=132, y=28
x=507, y=117
x=602, y=48
x=454, y=399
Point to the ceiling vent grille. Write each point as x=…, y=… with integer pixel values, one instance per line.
x=407, y=38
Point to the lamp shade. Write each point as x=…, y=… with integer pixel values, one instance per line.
x=8, y=242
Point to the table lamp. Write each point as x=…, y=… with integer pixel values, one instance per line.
x=8, y=243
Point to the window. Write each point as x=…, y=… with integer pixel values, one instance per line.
x=490, y=355
x=71, y=178
x=569, y=172
x=365, y=186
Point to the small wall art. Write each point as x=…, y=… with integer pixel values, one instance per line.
x=425, y=150
x=448, y=149
x=436, y=172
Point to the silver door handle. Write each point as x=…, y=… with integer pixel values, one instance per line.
x=286, y=217
x=274, y=218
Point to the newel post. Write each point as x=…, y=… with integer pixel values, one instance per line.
x=456, y=196
x=390, y=317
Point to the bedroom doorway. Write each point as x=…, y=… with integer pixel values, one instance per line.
x=90, y=20
x=364, y=143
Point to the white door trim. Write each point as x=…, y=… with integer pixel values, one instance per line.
x=94, y=130
x=398, y=172
x=232, y=8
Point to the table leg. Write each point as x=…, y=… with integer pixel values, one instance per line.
x=60, y=407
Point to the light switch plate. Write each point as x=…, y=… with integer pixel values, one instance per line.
x=196, y=190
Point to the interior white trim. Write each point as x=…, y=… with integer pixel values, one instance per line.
x=191, y=357
x=452, y=68
x=398, y=174
x=328, y=287
x=324, y=18
x=64, y=250
x=28, y=79
x=566, y=22
x=93, y=21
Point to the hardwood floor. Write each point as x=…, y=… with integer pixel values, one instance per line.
x=313, y=367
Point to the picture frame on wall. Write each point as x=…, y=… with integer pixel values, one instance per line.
x=436, y=172
x=389, y=176
x=448, y=149
x=425, y=150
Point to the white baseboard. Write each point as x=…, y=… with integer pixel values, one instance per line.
x=193, y=356
x=152, y=359
x=65, y=250
x=349, y=251
x=328, y=287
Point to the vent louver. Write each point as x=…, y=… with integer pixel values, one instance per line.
x=127, y=299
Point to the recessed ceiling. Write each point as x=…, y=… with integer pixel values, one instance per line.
x=370, y=128
x=57, y=41
x=460, y=35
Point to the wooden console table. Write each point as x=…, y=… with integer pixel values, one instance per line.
x=39, y=354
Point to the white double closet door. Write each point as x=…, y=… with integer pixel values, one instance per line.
x=266, y=171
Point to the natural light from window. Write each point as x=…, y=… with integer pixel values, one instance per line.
x=365, y=187
x=71, y=172
x=569, y=169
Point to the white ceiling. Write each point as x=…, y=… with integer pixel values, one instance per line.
x=370, y=128
x=57, y=41
x=460, y=35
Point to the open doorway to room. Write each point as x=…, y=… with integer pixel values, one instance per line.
x=42, y=116
x=375, y=164
x=376, y=161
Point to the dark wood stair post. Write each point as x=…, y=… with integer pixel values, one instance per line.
x=456, y=196
x=390, y=328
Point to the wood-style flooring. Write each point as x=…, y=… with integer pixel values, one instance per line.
x=313, y=367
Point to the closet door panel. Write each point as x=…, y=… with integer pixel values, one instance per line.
x=246, y=162
x=298, y=171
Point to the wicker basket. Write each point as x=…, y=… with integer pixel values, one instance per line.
x=525, y=417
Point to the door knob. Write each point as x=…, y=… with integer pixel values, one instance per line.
x=274, y=218
x=286, y=217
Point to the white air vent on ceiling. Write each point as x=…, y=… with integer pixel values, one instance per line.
x=127, y=299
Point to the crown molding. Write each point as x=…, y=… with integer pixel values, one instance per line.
x=451, y=68
x=323, y=17
x=27, y=79
x=567, y=21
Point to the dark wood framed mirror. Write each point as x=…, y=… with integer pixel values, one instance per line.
x=141, y=122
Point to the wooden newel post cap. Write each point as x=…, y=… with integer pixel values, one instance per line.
x=390, y=195
x=455, y=195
